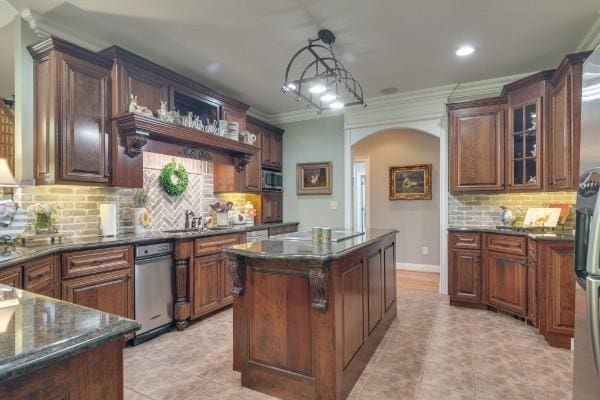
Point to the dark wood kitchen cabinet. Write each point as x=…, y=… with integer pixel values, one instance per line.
x=564, y=127
x=272, y=207
x=477, y=145
x=100, y=278
x=524, y=276
x=12, y=276
x=42, y=276
x=211, y=285
x=110, y=292
x=556, y=292
x=507, y=282
x=271, y=149
x=526, y=132
x=254, y=168
x=72, y=114
x=465, y=267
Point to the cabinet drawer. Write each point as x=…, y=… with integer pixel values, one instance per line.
x=508, y=244
x=280, y=230
x=532, y=249
x=215, y=244
x=42, y=277
x=465, y=240
x=81, y=263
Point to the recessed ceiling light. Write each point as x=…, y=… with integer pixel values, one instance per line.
x=465, y=51
x=317, y=88
x=336, y=105
x=327, y=97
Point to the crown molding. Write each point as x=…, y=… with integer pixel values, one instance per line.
x=482, y=89
x=44, y=27
x=592, y=39
x=258, y=114
x=403, y=107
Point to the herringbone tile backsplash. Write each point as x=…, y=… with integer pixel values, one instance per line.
x=484, y=209
x=79, y=205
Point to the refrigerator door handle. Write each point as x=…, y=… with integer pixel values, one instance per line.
x=593, y=309
x=593, y=251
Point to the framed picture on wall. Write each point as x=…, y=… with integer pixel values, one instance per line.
x=313, y=178
x=412, y=182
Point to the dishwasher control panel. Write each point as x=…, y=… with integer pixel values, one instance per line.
x=150, y=250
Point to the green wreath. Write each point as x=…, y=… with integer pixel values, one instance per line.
x=174, y=179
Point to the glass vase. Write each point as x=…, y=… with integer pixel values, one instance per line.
x=43, y=223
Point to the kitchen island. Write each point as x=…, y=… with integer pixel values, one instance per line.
x=51, y=349
x=308, y=316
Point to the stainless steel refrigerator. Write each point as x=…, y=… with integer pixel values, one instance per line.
x=586, y=368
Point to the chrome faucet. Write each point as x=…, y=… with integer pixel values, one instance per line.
x=189, y=214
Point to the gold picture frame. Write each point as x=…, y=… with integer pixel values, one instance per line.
x=411, y=182
x=313, y=178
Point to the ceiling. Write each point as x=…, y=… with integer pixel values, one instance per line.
x=241, y=47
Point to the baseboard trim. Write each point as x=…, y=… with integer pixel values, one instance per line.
x=418, y=267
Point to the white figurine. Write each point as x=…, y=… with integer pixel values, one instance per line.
x=134, y=108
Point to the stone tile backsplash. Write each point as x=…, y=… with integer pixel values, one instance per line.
x=484, y=209
x=78, y=212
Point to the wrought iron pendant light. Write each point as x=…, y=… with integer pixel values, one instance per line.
x=316, y=76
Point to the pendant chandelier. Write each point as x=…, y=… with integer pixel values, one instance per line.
x=316, y=76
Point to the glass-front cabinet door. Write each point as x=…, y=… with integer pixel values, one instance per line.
x=524, y=142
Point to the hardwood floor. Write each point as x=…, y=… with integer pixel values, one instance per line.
x=417, y=280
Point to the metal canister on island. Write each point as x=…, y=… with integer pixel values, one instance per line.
x=326, y=234
x=317, y=234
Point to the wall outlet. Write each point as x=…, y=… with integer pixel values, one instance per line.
x=425, y=250
x=333, y=205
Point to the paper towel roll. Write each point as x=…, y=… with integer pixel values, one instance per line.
x=108, y=219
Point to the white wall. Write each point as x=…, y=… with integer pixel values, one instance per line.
x=310, y=141
x=418, y=221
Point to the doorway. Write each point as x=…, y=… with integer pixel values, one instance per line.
x=360, y=194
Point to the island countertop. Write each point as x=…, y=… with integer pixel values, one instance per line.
x=290, y=247
x=36, y=330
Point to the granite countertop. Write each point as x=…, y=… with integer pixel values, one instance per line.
x=565, y=235
x=24, y=254
x=286, y=248
x=36, y=330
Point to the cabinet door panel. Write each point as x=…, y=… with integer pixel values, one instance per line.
x=85, y=124
x=465, y=276
x=375, y=285
x=565, y=130
x=507, y=282
x=272, y=207
x=12, y=276
x=390, y=276
x=206, y=282
x=265, y=148
x=43, y=276
x=559, y=263
x=477, y=153
x=110, y=292
x=276, y=150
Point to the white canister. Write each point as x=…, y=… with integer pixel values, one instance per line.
x=108, y=219
x=223, y=219
x=137, y=220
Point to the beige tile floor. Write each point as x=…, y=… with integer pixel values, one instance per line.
x=432, y=351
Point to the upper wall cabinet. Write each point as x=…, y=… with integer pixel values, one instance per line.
x=526, y=132
x=477, y=145
x=72, y=114
x=564, y=127
x=153, y=84
x=527, y=140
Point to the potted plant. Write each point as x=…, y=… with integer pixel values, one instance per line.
x=44, y=215
x=141, y=216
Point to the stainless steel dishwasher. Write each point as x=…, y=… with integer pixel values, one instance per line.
x=154, y=277
x=257, y=236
